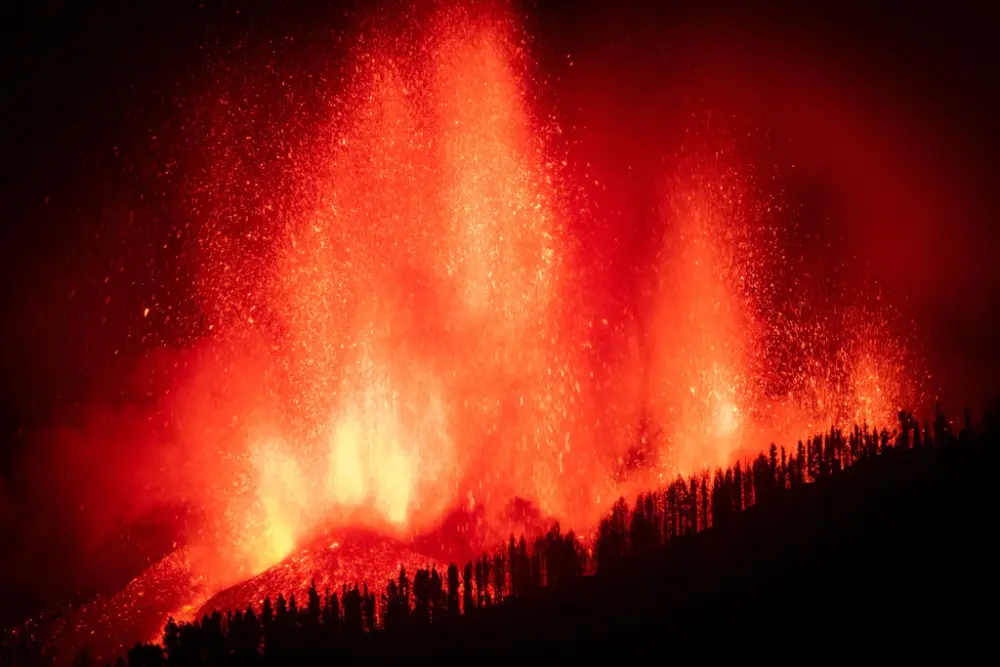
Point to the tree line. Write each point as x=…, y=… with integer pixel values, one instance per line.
x=333, y=624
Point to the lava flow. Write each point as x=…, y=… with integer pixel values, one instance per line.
x=397, y=331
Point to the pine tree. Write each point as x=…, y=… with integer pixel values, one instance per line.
x=512, y=566
x=453, y=583
x=314, y=607
x=468, y=601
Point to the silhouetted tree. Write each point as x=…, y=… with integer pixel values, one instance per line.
x=145, y=655
x=314, y=606
x=705, y=501
x=720, y=500
x=814, y=447
x=328, y=628
x=537, y=568
x=642, y=530
x=942, y=428
x=438, y=606
x=453, y=584
x=512, y=561
x=499, y=577
x=331, y=616
x=693, y=505
x=171, y=641
x=669, y=500
x=485, y=597
x=369, y=606
x=281, y=609
x=905, y=423
x=965, y=436
x=468, y=600
x=266, y=614
x=612, y=539
x=798, y=477
x=248, y=644
x=480, y=588
x=783, y=476
x=422, y=597
x=394, y=615
x=354, y=624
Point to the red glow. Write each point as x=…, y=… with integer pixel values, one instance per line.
x=400, y=328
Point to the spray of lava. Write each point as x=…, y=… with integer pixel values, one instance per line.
x=410, y=313
x=394, y=327
x=409, y=339
x=740, y=351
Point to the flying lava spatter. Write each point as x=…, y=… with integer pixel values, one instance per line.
x=401, y=346
x=398, y=331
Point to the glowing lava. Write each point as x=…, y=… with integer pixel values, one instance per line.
x=411, y=313
x=398, y=331
x=409, y=338
x=735, y=360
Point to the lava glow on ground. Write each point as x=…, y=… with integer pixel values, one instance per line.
x=399, y=326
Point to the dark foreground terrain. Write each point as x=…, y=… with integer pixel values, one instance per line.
x=895, y=554
x=863, y=546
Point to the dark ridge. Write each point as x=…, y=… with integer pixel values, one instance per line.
x=893, y=553
x=857, y=543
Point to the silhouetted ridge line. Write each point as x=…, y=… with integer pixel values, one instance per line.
x=709, y=553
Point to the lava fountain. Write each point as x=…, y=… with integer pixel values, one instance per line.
x=411, y=310
x=740, y=350
x=393, y=327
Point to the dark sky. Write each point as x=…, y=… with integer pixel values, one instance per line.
x=904, y=132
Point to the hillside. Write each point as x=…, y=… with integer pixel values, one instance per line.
x=895, y=551
x=853, y=544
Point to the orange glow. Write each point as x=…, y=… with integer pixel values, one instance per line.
x=414, y=338
x=702, y=335
x=411, y=320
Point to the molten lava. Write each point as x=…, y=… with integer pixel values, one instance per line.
x=410, y=319
x=400, y=331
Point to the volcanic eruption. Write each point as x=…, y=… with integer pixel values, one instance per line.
x=394, y=341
